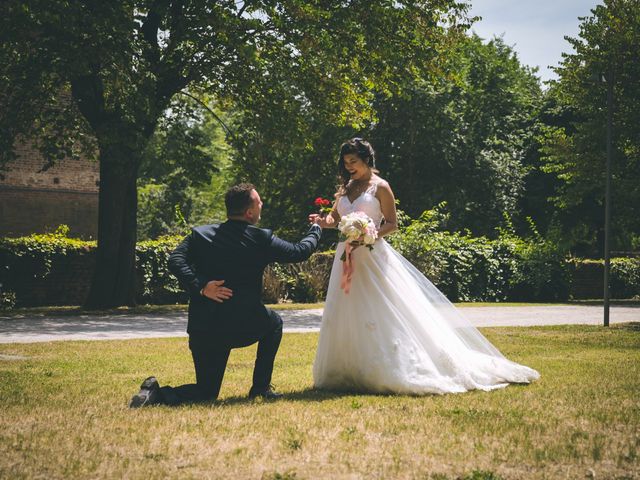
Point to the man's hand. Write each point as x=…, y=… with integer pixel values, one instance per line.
x=323, y=222
x=216, y=292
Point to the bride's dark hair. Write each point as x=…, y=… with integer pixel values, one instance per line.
x=362, y=149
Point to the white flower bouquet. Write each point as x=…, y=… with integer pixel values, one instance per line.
x=358, y=228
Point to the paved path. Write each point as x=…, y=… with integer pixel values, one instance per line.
x=42, y=328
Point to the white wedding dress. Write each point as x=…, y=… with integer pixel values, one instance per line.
x=395, y=332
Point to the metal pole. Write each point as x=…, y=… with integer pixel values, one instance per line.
x=607, y=198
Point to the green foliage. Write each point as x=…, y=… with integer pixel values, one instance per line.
x=539, y=268
x=36, y=254
x=462, y=137
x=157, y=284
x=470, y=268
x=34, y=257
x=625, y=277
x=465, y=268
x=184, y=173
x=574, y=143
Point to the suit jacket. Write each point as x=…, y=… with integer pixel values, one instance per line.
x=236, y=252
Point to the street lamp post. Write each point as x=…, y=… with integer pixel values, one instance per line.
x=607, y=196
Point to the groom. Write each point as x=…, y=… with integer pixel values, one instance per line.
x=221, y=266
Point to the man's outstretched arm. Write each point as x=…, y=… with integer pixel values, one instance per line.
x=287, y=252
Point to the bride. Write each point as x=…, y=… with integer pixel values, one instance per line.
x=392, y=330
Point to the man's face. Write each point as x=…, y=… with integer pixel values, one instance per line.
x=255, y=210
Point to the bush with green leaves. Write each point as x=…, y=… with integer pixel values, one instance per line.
x=30, y=260
x=52, y=269
x=156, y=283
x=470, y=268
x=625, y=278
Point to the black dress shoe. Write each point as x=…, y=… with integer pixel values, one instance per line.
x=149, y=394
x=268, y=393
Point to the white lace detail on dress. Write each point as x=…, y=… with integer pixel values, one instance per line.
x=366, y=202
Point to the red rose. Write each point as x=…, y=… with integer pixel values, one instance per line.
x=319, y=202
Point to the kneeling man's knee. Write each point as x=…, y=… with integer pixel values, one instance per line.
x=276, y=320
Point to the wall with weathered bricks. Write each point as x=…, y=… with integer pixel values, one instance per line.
x=35, y=201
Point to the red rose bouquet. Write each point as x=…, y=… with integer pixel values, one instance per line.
x=324, y=206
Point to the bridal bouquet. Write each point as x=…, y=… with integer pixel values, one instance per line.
x=358, y=228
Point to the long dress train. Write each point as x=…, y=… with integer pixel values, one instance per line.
x=395, y=332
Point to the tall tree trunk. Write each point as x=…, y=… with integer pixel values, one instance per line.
x=114, y=277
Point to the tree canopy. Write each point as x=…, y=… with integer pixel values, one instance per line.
x=460, y=136
x=574, y=146
x=124, y=61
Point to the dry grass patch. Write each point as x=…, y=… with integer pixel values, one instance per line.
x=65, y=415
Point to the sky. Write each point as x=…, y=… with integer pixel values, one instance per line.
x=535, y=28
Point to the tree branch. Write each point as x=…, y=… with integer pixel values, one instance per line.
x=213, y=114
x=243, y=8
x=151, y=25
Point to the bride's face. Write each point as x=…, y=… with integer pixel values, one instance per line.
x=356, y=167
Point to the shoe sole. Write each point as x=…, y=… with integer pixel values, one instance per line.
x=148, y=394
x=149, y=383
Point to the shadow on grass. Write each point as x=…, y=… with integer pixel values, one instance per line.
x=630, y=327
x=317, y=396
x=306, y=395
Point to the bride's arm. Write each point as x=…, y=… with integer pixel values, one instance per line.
x=388, y=207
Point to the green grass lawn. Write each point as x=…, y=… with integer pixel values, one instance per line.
x=64, y=415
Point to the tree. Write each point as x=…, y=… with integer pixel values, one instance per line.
x=124, y=61
x=185, y=170
x=462, y=138
x=574, y=146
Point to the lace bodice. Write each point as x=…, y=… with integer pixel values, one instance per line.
x=366, y=202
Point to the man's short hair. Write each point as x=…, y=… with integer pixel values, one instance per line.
x=238, y=199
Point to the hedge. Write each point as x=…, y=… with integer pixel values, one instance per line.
x=51, y=269
x=55, y=270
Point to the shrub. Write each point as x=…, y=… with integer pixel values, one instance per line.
x=470, y=268
x=52, y=269
x=29, y=264
x=625, y=277
x=156, y=284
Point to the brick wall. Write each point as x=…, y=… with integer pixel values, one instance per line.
x=26, y=210
x=80, y=175
x=32, y=201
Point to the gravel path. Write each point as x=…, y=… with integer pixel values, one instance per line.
x=42, y=328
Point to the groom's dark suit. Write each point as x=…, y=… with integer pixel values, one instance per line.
x=236, y=252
